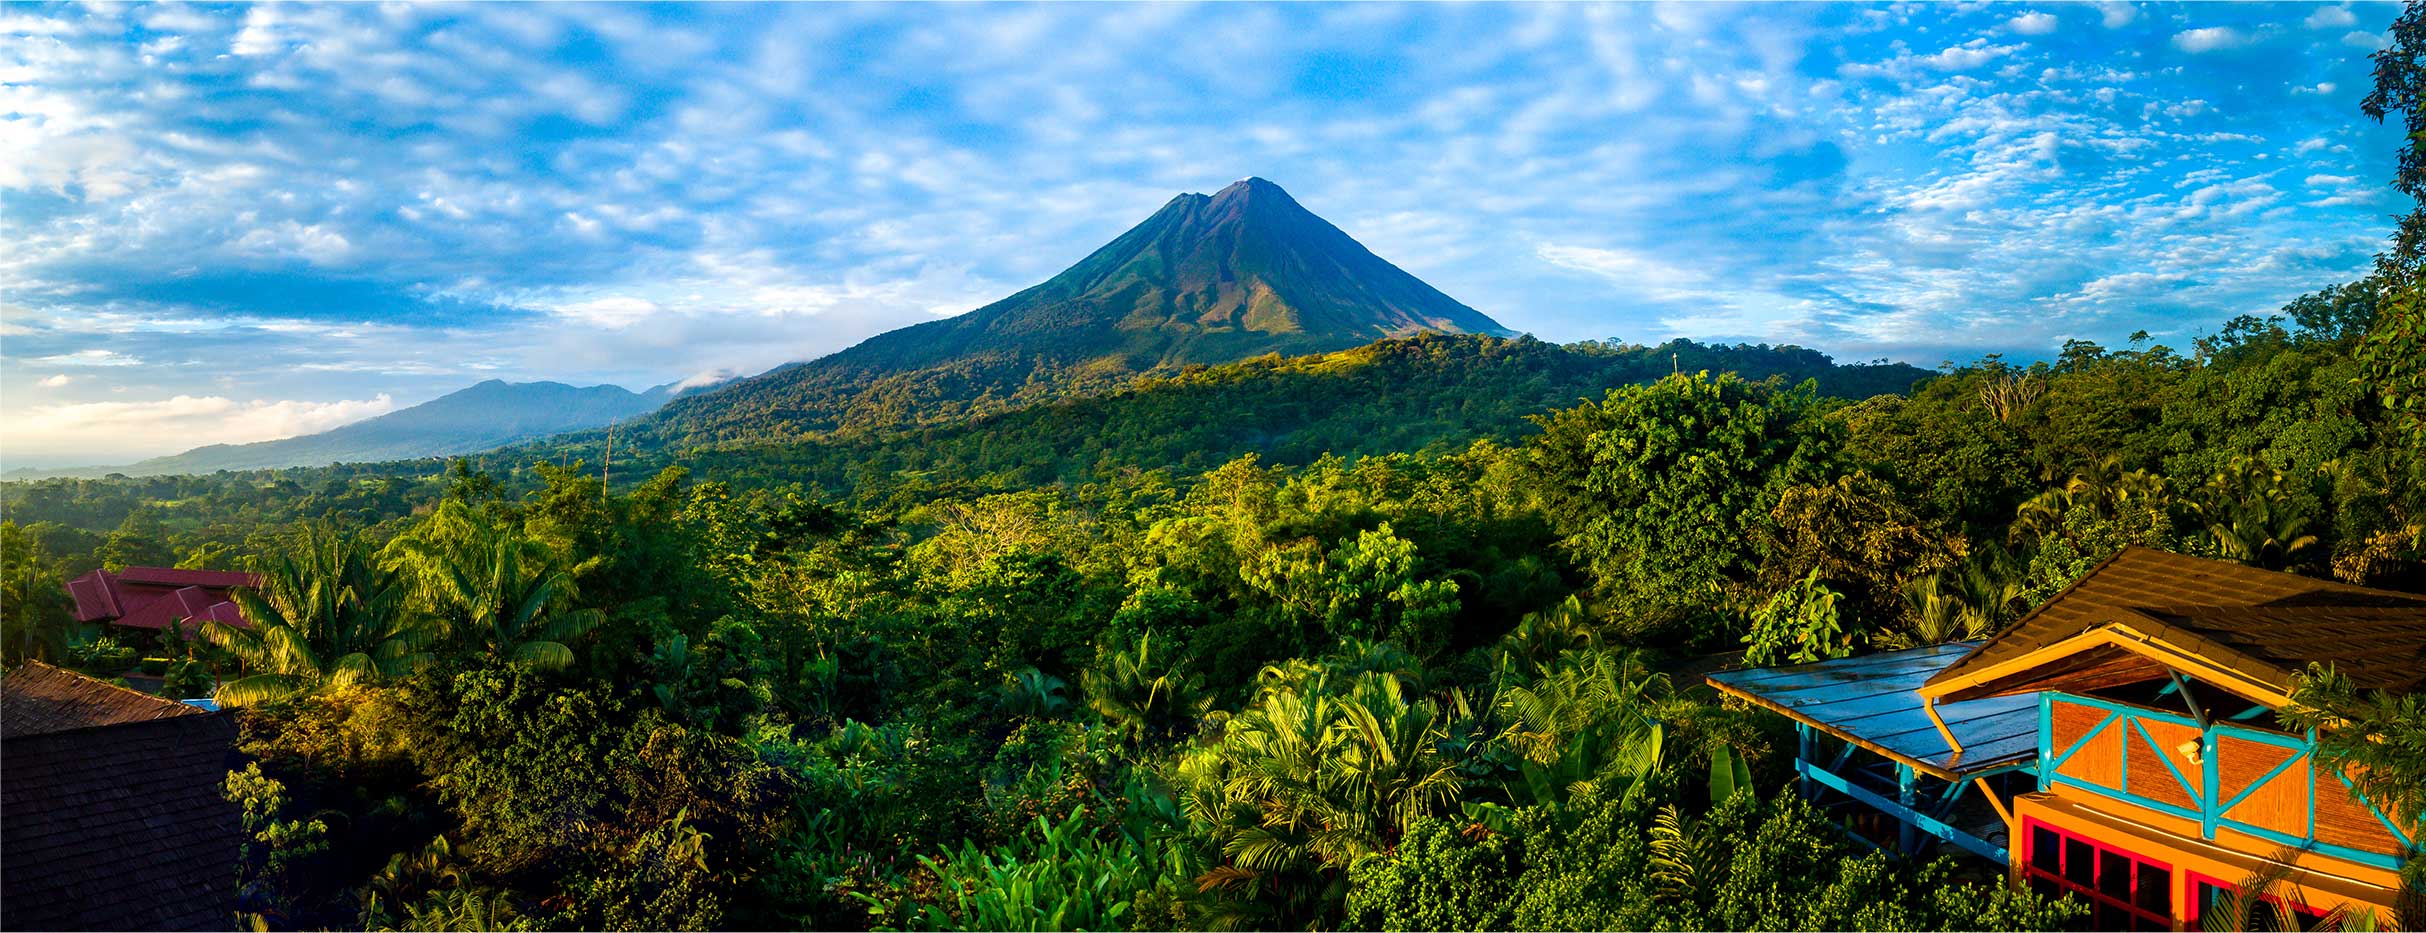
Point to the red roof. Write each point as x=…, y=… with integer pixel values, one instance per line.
x=95, y=598
x=164, y=576
x=156, y=597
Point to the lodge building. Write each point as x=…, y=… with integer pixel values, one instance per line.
x=149, y=599
x=2119, y=742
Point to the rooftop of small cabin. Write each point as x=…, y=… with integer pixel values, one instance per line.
x=113, y=807
x=39, y=699
x=1870, y=702
x=2137, y=617
x=2143, y=613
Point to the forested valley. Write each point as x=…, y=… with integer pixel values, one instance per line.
x=1398, y=637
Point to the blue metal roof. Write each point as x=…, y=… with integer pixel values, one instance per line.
x=1870, y=702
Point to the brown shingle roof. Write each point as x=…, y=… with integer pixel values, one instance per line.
x=39, y=699
x=112, y=818
x=2280, y=620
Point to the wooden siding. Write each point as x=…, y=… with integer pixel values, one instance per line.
x=2343, y=821
x=2281, y=804
x=2256, y=787
x=2149, y=775
x=2100, y=760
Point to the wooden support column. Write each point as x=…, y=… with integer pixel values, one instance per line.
x=1929, y=706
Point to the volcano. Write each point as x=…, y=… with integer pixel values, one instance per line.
x=1208, y=279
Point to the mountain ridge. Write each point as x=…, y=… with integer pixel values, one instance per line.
x=483, y=416
x=1206, y=279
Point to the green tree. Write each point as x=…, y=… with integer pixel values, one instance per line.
x=35, y=621
x=1799, y=625
x=2374, y=737
x=1956, y=605
x=1663, y=492
x=2254, y=515
x=2400, y=88
x=2336, y=314
x=497, y=594
x=1313, y=775
x=1588, y=729
x=325, y=615
x=1368, y=587
x=1144, y=692
x=277, y=845
x=1857, y=534
x=2393, y=354
x=140, y=541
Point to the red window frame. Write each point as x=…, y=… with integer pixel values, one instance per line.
x=2198, y=905
x=2097, y=852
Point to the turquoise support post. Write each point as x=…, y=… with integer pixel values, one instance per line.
x=1907, y=792
x=1806, y=751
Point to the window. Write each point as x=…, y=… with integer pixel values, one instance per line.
x=2206, y=893
x=2124, y=891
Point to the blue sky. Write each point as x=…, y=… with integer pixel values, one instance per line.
x=236, y=223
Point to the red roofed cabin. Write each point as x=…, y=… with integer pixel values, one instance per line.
x=153, y=598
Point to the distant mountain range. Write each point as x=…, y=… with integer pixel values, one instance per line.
x=1208, y=279
x=486, y=416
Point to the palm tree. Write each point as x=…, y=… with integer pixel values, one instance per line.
x=1301, y=784
x=1034, y=694
x=2105, y=489
x=1589, y=727
x=1540, y=637
x=1143, y=693
x=34, y=618
x=492, y=591
x=2257, y=903
x=324, y=615
x=1385, y=751
x=2249, y=511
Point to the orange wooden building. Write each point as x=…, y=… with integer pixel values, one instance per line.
x=2162, y=778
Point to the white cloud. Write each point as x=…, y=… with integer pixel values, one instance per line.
x=2322, y=87
x=263, y=33
x=1633, y=271
x=611, y=311
x=2331, y=17
x=55, y=382
x=313, y=243
x=2360, y=39
x=94, y=357
x=1968, y=55
x=106, y=431
x=2209, y=39
x=2117, y=14
x=707, y=378
x=2033, y=23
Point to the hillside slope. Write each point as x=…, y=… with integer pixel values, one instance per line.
x=1391, y=396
